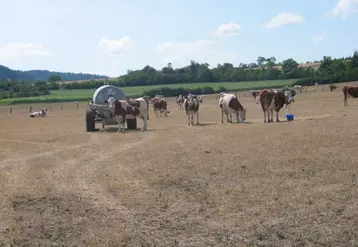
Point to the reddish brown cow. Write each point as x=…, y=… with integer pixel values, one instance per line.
x=351, y=91
x=272, y=100
x=160, y=105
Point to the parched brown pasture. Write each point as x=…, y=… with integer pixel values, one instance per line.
x=254, y=184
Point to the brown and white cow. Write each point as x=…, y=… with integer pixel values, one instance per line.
x=230, y=103
x=191, y=105
x=254, y=93
x=180, y=102
x=160, y=105
x=136, y=107
x=200, y=98
x=349, y=91
x=271, y=100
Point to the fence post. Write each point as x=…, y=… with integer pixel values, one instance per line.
x=305, y=90
x=10, y=110
x=322, y=89
x=77, y=105
x=30, y=110
x=50, y=107
x=61, y=107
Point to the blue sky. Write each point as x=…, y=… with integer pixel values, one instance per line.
x=111, y=36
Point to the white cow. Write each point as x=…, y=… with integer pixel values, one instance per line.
x=191, y=105
x=229, y=103
x=180, y=102
x=42, y=113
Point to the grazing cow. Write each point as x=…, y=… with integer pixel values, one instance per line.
x=191, y=105
x=349, y=91
x=230, y=103
x=41, y=113
x=180, y=102
x=160, y=105
x=136, y=107
x=271, y=100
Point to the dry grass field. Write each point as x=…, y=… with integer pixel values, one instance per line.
x=251, y=184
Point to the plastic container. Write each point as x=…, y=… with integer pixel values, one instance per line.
x=290, y=117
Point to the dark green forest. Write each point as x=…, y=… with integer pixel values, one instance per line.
x=42, y=75
x=326, y=71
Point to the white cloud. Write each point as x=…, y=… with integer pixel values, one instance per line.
x=283, y=19
x=229, y=29
x=180, y=54
x=320, y=37
x=344, y=8
x=17, y=49
x=115, y=47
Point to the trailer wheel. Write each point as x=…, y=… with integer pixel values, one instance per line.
x=90, y=121
x=132, y=123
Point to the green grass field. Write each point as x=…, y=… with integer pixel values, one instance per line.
x=84, y=94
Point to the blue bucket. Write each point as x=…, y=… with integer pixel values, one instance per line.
x=290, y=117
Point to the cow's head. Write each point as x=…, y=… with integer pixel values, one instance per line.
x=242, y=115
x=288, y=97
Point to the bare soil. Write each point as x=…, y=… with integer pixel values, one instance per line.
x=251, y=184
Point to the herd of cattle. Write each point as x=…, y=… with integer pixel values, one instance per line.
x=270, y=100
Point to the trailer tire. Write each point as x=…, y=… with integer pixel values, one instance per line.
x=132, y=123
x=90, y=121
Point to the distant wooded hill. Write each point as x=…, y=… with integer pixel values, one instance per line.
x=43, y=75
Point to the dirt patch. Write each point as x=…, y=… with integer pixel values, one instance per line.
x=256, y=184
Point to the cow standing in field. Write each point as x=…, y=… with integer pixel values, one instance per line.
x=180, y=102
x=230, y=103
x=119, y=112
x=271, y=100
x=349, y=91
x=200, y=98
x=160, y=105
x=138, y=107
x=254, y=93
x=191, y=105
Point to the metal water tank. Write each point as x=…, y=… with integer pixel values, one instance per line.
x=104, y=92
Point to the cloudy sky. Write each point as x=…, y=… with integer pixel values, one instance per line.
x=111, y=36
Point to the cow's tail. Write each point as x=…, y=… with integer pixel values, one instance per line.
x=345, y=95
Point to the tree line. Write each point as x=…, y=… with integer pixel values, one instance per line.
x=328, y=70
x=30, y=76
x=15, y=89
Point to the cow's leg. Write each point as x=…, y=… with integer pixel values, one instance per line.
x=227, y=117
x=265, y=116
x=192, y=118
x=119, y=121
x=237, y=116
x=123, y=120
x=144, y=128
x=188, y=119
x=222, y=116
x=277, y=119
x=271, y=114
x=197, y=118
